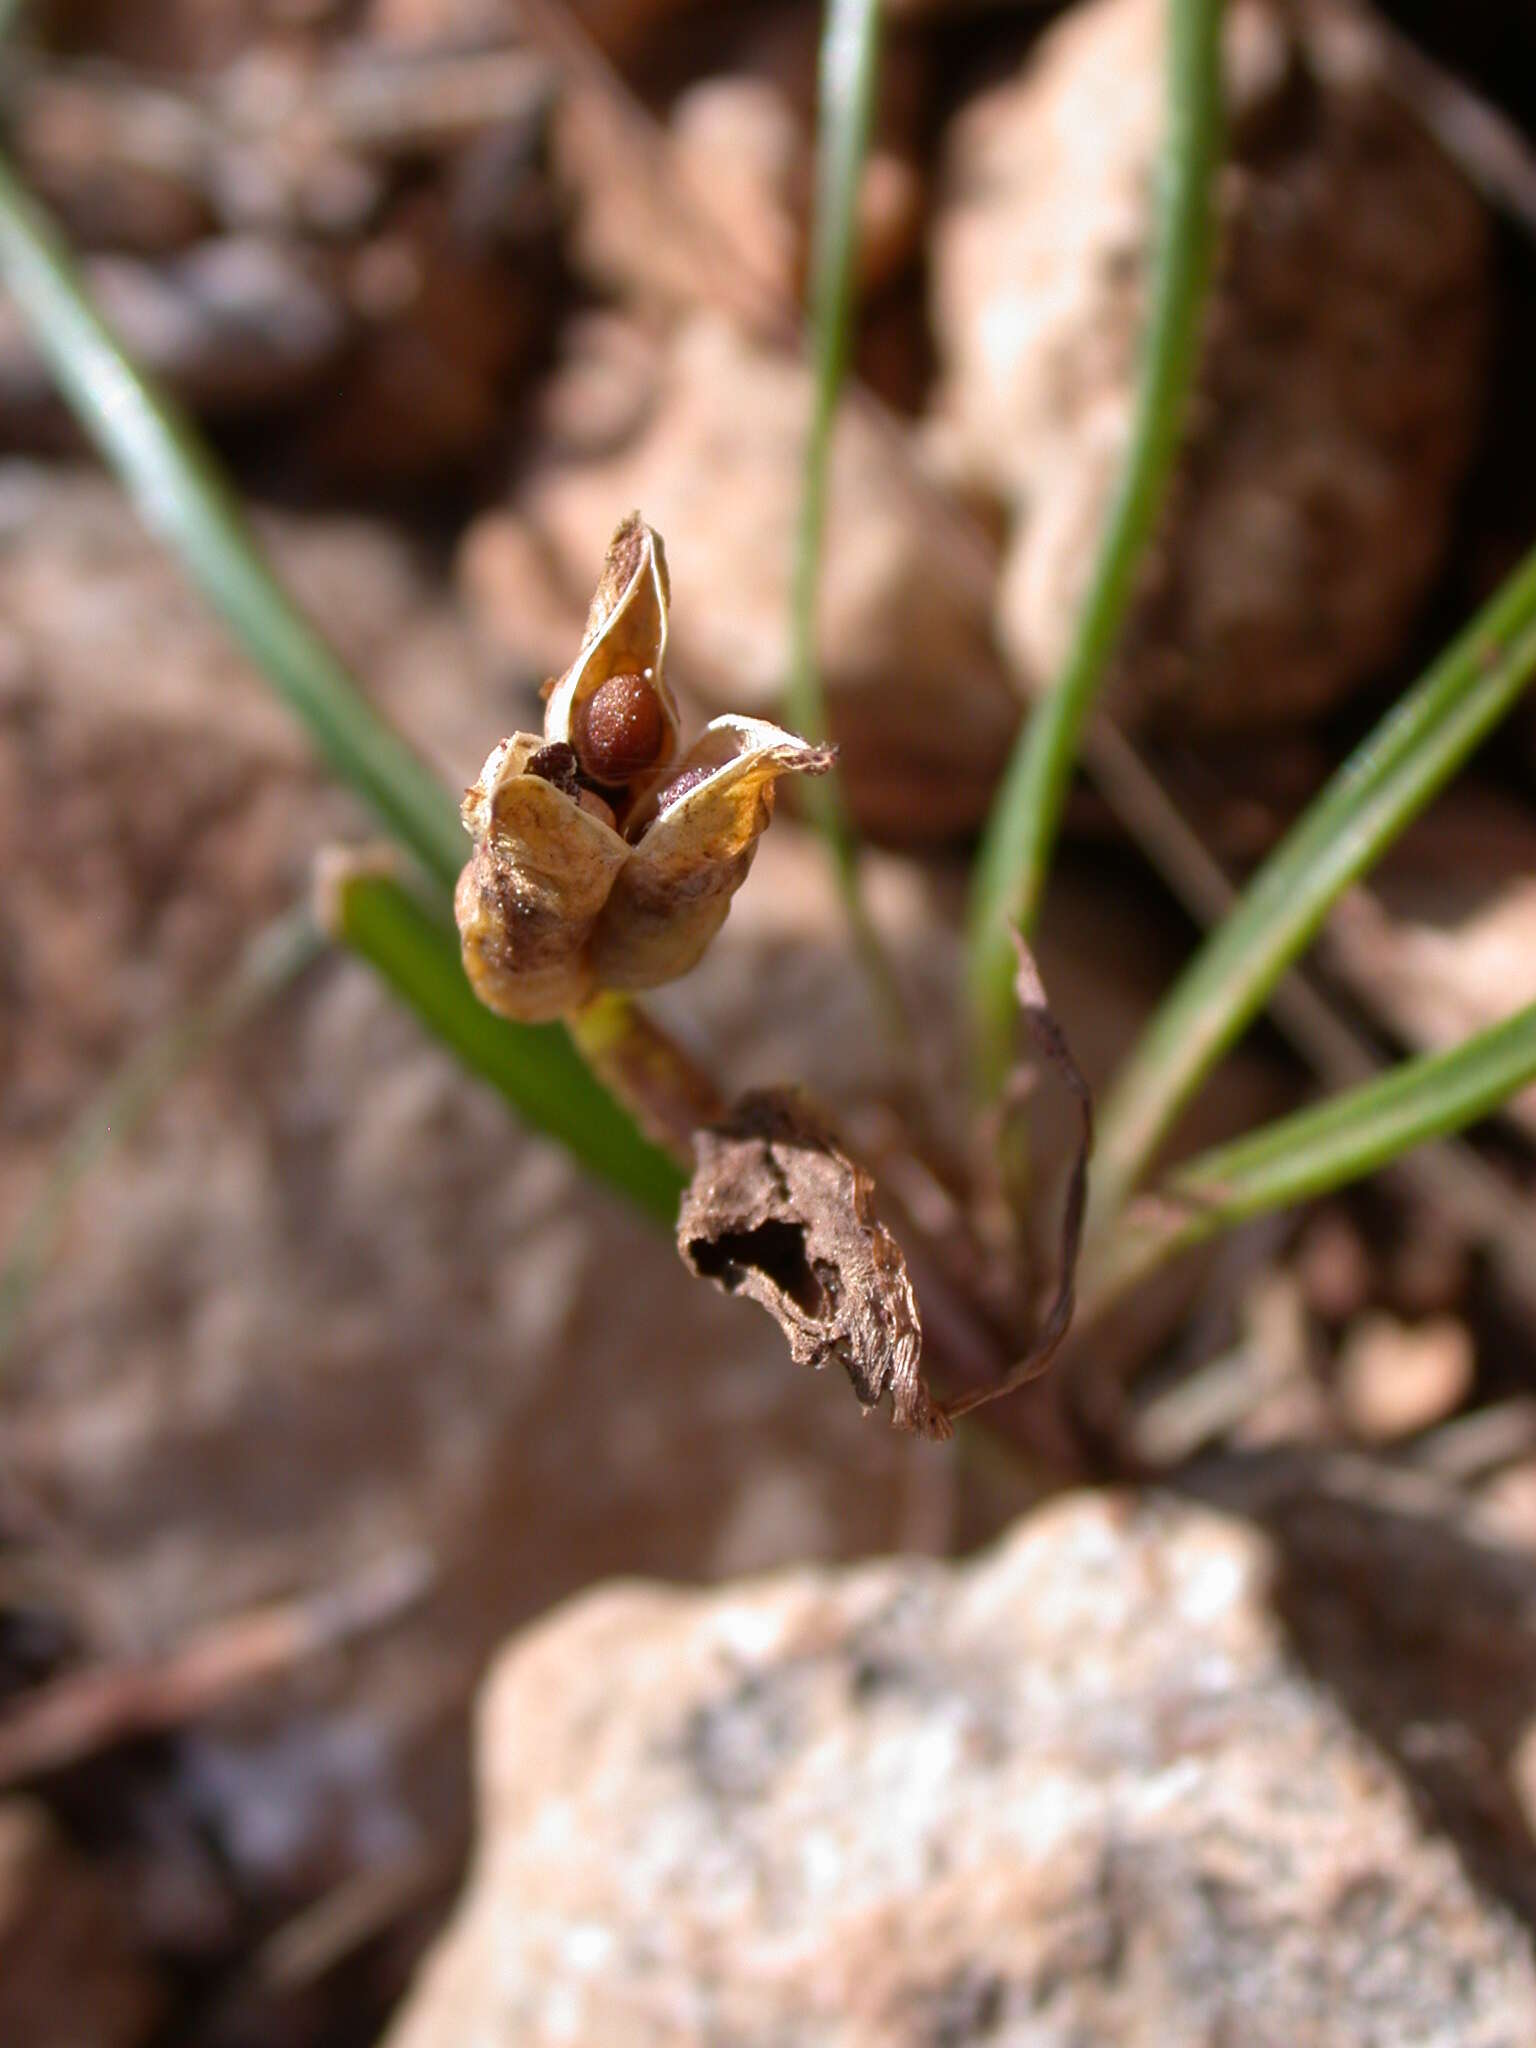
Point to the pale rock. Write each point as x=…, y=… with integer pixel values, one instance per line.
x=745, y=155
x=1506, y=1513
x=1443, y=948
x=229, y=324
x=712, y=207
x=1333, y=1265
x=1077, y=1790
x=742, y=153
x=1420, y=1618
x=1395, y=1378
x=689, y=216
x=617, y=26
x=597, y=403
x=1329, y=428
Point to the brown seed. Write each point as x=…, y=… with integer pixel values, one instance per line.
x=555, y=763
x=682, y=782
x=594, y=807
x=619, y=731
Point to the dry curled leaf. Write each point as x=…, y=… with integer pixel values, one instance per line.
x=601, y=859
x=1051, y=1044
x=777, y=1211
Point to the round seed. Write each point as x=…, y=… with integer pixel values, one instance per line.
x=619, y=731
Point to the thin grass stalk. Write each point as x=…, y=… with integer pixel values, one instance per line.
x=1384, y=784
x=1318, y=1150
x=1016, y=850
x=183, y=497
x=849, y=72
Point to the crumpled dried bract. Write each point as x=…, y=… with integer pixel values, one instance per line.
x=601, y=860
x=777, y=1211
x=1056, y=1057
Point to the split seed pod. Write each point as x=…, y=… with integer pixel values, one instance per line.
x=601, y=859
x=613, y=705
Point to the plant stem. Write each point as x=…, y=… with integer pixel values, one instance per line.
x=1016, y=850
x=666, y=1092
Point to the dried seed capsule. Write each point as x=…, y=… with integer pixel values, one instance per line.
x=566, y=893
x=620, y=731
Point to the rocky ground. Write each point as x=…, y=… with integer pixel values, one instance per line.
x=1081, y=1788
x=334, y=1378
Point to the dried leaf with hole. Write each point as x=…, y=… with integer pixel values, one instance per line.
x=777, y=1211
x=601, y=860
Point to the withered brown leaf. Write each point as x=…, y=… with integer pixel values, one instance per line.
x=777, y=1211
x=1051, y=1044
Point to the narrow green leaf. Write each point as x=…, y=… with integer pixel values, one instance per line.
x=1322, y=1148
x=534, y=1066
x=183, y=496
x=1016, y=850
x=849, y=71
x=277, y=955
x=1384, y=784
x=850, y=54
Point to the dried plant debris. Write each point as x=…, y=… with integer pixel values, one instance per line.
x=602, y=859
x=777, y=1211
x=1055, y=1054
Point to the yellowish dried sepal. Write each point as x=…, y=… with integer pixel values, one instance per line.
x=527, y=901
x=672, y=895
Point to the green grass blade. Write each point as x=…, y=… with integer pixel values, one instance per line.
x=184, y=498
x=274, y=958
x=1016, y=849
x=850, y=65
x=1384, y=784
x=534, y=1066
x=1323, y=1148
